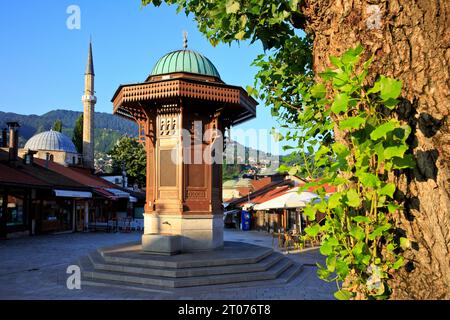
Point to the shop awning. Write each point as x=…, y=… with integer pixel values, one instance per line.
x=291, y=199
x=118, y=193
x=105, y=194
x=72, y=194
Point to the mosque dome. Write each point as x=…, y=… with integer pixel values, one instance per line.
x=185, y=61
x=51, y=141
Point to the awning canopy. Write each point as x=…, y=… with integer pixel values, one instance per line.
x=115, y=194
x=72, y=194
x=291, y=199
x=118, y=193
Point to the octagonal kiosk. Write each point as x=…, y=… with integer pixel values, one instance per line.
x=182, y=109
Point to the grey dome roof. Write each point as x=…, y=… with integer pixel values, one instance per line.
x=52, y=141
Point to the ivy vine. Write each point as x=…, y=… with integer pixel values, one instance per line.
x=358, y=233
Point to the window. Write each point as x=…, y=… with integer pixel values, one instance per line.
x=14, y=211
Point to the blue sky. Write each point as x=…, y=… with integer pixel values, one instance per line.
x=42, y=62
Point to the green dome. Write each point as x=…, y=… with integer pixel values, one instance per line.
x=185, y=61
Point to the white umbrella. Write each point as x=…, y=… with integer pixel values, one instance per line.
x=291, y=199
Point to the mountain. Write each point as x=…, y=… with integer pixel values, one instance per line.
x=108, y=128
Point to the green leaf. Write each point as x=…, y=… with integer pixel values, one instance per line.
x=369, y=180
x=395, y=151
x=340, y=79
x=319, y=91
x=310, y=213
x=232, y=6
x=402, y=163
x=351, y=56
x=340, y=149
x=351, y=123
x=340, y=103
x=391, y=103
x=342, y=268
x=331, y=263
x=379, y=231
x=323, y=273
x=358, y=248
x=328, y=74
x=336, y=61
x=333, y=241
x=326, y=248
x=388, y=189
x=353, y=199
x=293, y=171
x=390, y=247
x=240, y=35
x=343, y=295
x=390, y=88
x=383, y=130
x=294, y=5
x=366, y=259
x=360, y=219
x=312, y=230
x=399, y=263
x=405, y=243
x=334, y=201
x=357, y=233
x=392, y=207
x=376, y=88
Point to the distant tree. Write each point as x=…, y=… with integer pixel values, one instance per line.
x=129, y=154
x=58, y=126
x=78, y=134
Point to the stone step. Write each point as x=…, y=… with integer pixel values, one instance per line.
x=231, y=256
x=290, y=273
x=91, y=274
x=99, y=263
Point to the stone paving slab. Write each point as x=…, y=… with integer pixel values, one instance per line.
x=35, y=268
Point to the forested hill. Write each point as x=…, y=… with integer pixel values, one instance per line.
x=108, y=128
x=32, y=124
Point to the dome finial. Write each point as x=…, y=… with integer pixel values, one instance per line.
x=185, y=40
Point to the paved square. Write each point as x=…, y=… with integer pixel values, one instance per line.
x=35, y=268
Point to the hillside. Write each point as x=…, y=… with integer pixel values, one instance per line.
x=108, y=128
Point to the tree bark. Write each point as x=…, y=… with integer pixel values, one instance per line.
x=410, y=40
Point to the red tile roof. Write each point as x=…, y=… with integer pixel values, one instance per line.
x=11, y=175
x=80, y=175
x=258, y=184
x=279, y=191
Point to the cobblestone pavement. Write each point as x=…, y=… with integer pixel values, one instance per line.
x=35, y=268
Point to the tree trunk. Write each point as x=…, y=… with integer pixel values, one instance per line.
x=411, y=42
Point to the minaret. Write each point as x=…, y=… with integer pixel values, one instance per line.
x=89, y=100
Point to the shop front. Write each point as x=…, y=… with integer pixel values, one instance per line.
x=56, y=211
x=13, y=211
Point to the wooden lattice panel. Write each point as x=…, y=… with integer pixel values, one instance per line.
x=182, y=88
